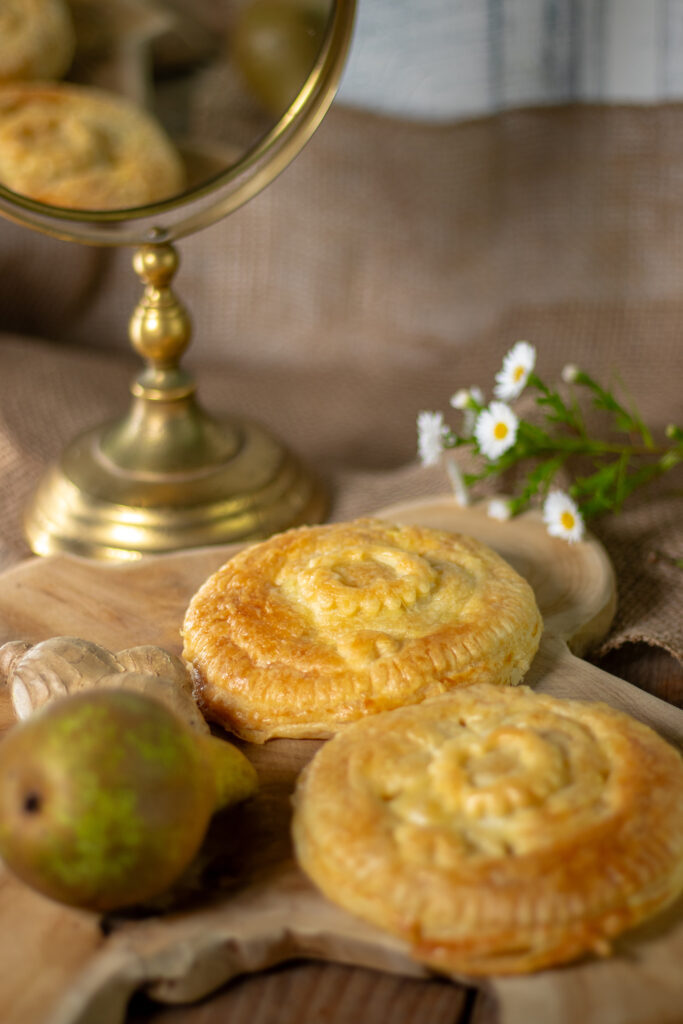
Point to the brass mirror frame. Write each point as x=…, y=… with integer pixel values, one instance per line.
x=169, y=476
x=224, y=192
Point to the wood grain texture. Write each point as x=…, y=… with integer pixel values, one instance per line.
x=322, y=993
x=243, y=906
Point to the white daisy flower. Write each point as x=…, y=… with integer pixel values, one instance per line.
x=460, y=492
x=498, y=508
x=570, y=372
x=431, y=431
x=495, y=430
x=517, y=365
x=562, y=517
x=462, y=399
x=468, y=400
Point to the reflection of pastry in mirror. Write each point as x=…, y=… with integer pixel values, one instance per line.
x=37, y=39
x=494, y=829
x=303, y=633
x=83, y=148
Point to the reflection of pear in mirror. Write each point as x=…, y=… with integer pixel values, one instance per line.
x=37, y=39
x=83, y=148
x=274, y=44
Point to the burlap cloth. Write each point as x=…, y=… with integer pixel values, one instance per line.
x=389, y=265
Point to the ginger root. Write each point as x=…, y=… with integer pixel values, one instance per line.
x=54, y=668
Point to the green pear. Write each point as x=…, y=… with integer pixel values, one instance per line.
x=106, y=796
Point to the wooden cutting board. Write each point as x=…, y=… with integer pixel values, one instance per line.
x=244, y=905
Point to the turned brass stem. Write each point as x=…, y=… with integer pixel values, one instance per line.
x=165, y=429
x=160, y=326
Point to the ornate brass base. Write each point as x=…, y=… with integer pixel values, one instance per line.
x=167, y=476
x=87, y=506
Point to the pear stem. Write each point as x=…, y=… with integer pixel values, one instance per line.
x=234, y=775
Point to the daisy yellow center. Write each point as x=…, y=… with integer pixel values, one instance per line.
x=500, y=431
x=518, y=373
x=567, y=520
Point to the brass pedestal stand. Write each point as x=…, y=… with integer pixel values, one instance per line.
x=167, y=476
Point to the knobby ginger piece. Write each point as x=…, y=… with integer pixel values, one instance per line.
x=40, y=673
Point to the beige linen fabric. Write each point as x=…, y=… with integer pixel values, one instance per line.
x=389, y=265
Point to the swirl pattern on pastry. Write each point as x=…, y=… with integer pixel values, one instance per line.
x=83, y=148
x=494, y=829
x=37, y=39
x=319, y=626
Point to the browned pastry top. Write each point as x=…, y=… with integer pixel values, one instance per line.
x=494, y=829
x=319, y=626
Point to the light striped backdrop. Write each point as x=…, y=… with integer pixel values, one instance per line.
x=446, y=60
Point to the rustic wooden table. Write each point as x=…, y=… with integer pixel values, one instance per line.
x=321, y=993
x=62, y=953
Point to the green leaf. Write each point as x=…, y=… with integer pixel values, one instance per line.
x=551, y=400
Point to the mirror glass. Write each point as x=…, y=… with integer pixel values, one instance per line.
x=107, y=107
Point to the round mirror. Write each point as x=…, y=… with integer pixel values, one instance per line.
x=138, y=123
x=146, y=120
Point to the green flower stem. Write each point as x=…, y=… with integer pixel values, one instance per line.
x=580, y=446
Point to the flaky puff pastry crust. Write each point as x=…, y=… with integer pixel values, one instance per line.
x=83, y=148
x=494, y=829
x=316, y=627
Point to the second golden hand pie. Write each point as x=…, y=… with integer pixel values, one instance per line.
x=317, y=627
x=496, y=831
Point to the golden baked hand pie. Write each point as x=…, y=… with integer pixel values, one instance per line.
x=316, y=627
x=37, y=39
x=494, y=829
x=83, y=148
